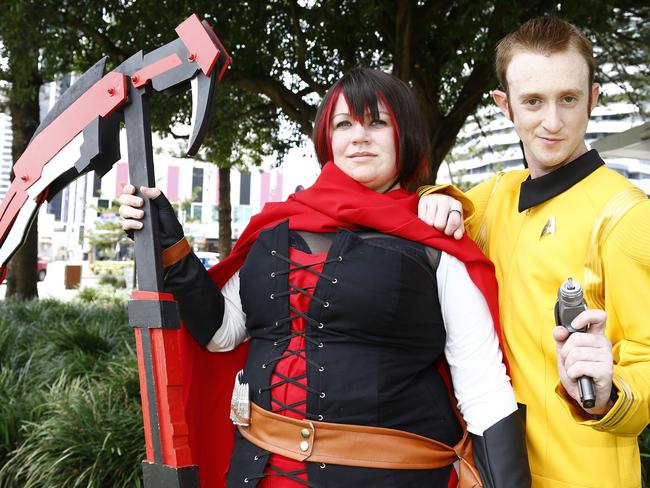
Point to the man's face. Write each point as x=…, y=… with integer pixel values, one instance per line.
x=549, y=105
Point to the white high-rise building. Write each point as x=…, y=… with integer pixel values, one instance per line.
x=6, y=139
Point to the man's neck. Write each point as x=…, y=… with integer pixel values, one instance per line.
x=536, y=172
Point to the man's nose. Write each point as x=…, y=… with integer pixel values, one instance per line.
x=552, y=119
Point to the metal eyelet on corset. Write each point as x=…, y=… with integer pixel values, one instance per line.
x=275, y=343
x=264, y=366
x=245, y=480
x=321, y=369
x=273, y=275
x=340, y=259
x=322, y=395
x=326, y=304
x=272, y=296
x=259, y=391
x=256, y=457
x=322, y=465
x=276, y=323
x=335, y=281
x=273, y=253
x=320, y=344
x=320, y=417
x=321, y=325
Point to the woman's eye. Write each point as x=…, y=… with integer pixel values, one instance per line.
x=377, y=122
x=343, y=124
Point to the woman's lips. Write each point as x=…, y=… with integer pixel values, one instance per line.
x=362, y=155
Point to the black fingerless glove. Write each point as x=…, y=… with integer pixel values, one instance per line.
x=200, y=302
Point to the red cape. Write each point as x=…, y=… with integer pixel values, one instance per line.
x=334, y=201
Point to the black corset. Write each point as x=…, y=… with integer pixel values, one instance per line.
x=373, y=335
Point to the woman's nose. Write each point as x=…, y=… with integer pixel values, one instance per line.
x=360, y=133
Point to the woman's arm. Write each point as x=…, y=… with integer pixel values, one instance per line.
x=481, y=385
x=233, y=326
x=213, y=317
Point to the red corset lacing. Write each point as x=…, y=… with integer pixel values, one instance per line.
x=288, y=383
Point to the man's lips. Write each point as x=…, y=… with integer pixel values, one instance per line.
x=550, y=140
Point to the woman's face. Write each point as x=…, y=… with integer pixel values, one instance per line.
x=365, y=151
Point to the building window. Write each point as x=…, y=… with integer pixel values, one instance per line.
x=241, y=214
x=245, y=189
x=197, y=184
x=54, y=206
x=97, y=185
x=196, y=211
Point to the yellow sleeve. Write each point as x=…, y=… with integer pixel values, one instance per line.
x=475, y=201
x=450, y=191
x=626, y=269
x=626, y=263
x=480, y=196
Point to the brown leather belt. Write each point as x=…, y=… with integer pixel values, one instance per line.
x=357, y=445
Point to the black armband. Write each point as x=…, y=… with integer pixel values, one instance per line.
x=200, y=302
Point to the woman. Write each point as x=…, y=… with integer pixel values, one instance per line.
x=350, y=304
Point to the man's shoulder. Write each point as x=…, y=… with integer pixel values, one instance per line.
x=503, y=181
x=605, y=185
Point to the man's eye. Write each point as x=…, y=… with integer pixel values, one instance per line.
x=570, y=99
x=533, y=102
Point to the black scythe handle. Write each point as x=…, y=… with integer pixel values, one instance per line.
x=158, y=312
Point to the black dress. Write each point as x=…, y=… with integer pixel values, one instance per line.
x=373, y=335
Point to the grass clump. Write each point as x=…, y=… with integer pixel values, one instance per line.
x=70, y=410
x=103, y=295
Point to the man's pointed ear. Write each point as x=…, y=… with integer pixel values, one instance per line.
x=595, y=92
x=501, y=99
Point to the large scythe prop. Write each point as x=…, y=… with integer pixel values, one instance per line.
x=80, y=134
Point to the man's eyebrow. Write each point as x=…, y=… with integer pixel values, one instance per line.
x=563, y=93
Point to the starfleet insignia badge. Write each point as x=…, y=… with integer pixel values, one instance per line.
x=549, y=227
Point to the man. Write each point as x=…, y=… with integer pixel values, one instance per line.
x=567, y=215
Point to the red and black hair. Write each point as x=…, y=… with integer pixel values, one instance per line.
x=363, y=88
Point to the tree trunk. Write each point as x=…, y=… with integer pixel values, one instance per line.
x=25, y=115
x=225, y=211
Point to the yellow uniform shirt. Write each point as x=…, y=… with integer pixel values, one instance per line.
x=538, y=233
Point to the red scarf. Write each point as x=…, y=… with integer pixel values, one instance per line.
x=334, y=201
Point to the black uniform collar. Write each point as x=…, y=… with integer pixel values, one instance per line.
x=538, y=190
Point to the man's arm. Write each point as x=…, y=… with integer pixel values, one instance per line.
x=474, y=202
x=626, y=273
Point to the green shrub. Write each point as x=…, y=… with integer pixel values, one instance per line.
x=104, y=295
x=69, y=395
x=116, y=281
x=90, y=435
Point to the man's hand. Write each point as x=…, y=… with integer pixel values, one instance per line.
x=442, y=212
x=586, y=354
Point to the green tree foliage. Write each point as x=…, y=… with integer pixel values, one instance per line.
x=290, y=51
x=22, y=77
